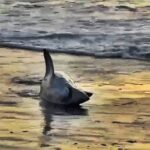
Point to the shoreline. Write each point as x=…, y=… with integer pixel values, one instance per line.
x=108, y=55
x=118, y=109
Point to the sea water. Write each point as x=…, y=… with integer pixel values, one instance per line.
x=100, y=28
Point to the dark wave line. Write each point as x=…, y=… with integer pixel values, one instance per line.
x=51, y=36
x=129, y=53
x=66, y=36
x=125, y=7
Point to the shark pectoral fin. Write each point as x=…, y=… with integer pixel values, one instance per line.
x=89, y=94
x=67, y=95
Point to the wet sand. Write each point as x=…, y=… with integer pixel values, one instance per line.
x=116, y=118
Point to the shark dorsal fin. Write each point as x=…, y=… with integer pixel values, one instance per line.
x=48, y=64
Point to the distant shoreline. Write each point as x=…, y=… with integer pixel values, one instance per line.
x=76, y=53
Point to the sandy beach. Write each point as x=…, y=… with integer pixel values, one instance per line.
x=117, y=117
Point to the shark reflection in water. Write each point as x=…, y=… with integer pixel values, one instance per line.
x=49, y=110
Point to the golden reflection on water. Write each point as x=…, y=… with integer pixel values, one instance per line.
x=116, y=117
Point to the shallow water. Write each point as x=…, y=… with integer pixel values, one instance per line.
x=109, y=28
x=117, y=116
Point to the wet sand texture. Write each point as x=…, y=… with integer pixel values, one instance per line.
x=116, y=118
